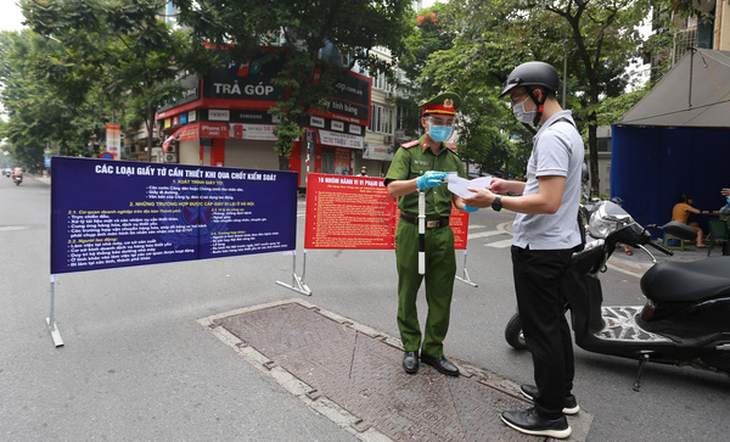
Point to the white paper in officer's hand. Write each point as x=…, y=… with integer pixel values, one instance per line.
x=458, y=185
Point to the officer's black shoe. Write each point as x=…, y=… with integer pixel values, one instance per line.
x=442, y=365
x=410, y=362
x=530, y=422
x=570, y=406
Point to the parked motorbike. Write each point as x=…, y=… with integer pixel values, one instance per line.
x=686, y=318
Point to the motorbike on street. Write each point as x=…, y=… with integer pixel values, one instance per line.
x=17, y=179
x=686, y=317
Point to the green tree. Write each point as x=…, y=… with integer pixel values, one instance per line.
x=660, y=47
x=429, y=36
x=38, y=117
x=301, y=30
x=124, y=45
x=595, y=35
x=458, y=60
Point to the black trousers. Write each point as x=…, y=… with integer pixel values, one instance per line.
x=541, y=278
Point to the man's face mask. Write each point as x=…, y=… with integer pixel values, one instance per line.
x=519, y=110
x=439, y=129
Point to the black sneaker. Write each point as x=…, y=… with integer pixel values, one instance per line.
x=530, y=422
x=570, y=406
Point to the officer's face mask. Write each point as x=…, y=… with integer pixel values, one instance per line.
x=523, y=116
x=439, y=129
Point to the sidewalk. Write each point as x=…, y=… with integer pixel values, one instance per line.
x=42, y=178
x=640, y=262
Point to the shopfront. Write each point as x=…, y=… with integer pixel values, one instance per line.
x=224, y=122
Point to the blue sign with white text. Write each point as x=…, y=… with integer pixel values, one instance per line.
x=109, y=214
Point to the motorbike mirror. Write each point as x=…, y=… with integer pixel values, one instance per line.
x=680, y=230
x=585, y=176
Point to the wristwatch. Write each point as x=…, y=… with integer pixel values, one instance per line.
x=497, y=203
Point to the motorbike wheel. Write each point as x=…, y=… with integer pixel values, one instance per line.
x=513, y=333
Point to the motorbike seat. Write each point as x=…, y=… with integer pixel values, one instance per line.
x=687, y=281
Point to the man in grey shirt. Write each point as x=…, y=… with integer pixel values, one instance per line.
x=546, y=233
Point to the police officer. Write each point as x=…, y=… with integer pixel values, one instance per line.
x=363, y=171
x=421, y=166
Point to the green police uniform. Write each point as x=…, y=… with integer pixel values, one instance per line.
x=411, y=161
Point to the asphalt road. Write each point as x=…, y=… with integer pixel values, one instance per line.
x=136, y=366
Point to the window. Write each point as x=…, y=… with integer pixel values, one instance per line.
x=381, y=119
x=382, y=83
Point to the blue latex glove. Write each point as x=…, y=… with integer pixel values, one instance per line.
x=470, y=209
x=430, y=179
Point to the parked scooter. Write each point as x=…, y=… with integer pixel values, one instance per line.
x=686, y=319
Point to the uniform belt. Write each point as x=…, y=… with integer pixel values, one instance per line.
x=430, y=223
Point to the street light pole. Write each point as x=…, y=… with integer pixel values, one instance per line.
x=565, y=69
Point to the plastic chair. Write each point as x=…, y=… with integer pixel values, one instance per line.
x=718, y=233
x=672, y=242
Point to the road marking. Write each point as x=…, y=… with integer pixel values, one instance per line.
x=500, y=244
x=636, y=272
x=484, y=234
x=11, y=228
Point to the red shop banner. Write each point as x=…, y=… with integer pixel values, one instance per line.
x=351, y=212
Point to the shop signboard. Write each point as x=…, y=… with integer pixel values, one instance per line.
x=191, y=92
x=340, y=140
x=113, y=139
x=248, y=81
x=350, y=101
x=380, y=152
x=262, y=132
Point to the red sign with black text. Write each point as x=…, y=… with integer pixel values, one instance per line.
x=353, y=212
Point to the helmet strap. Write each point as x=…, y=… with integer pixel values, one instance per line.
x=540, y=105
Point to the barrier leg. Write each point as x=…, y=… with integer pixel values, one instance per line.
x=297, y=284
x=465, y=279
x=51, y=319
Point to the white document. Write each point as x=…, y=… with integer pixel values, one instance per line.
x=458, y=185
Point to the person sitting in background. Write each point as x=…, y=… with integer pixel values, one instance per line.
x=725, y=210
x=681, y=212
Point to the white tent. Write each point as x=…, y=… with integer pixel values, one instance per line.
x=694, y=93
x=676, y=140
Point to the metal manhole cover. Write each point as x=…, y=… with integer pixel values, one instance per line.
x=327, y=359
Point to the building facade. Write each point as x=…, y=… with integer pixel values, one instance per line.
x=224, y=121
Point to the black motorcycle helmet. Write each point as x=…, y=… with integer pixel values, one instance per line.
x=533, y=73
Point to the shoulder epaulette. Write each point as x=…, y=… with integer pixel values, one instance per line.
x=453, y=150
x=409, y=144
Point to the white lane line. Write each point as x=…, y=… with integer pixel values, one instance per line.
x=484, y=234
x=500, y=244
x=11, y=228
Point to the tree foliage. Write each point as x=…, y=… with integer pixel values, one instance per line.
x=124, y=47
x=37, y=116
x=429, y=36
x=596, y=36
x=302, y=30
